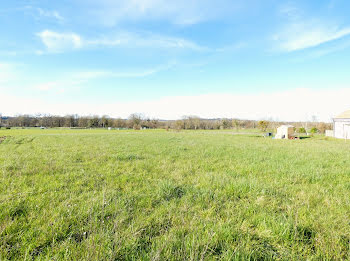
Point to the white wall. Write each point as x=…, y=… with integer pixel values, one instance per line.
x=341, y=128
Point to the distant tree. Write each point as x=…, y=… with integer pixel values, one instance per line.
x=93, y=122
x=263, y=125
x=301, y=130
x=105, y=121
x=191, y=122
x=322, y=127
x=83, y=122
x=314, y=130
x=225, y=123
x=179, y=125
x=196, y=122
x=236, y=124
x=154, y=124
x=119, y=123
x=69, y=121
x=135, y=120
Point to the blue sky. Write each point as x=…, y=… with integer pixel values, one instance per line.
x=285, y=60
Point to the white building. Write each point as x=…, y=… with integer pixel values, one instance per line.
x=341, y=126
x=285, y=132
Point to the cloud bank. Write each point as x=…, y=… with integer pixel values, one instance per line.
x=292, y=105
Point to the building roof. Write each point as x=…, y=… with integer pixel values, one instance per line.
x=344, y=115
x=286, y=126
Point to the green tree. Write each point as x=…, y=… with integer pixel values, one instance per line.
x=263, y=125
x=301, y=130
x=314, y=130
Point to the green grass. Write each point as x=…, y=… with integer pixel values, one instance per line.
x=157, y=195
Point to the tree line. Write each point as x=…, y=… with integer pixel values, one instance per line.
x=135, y=121
x=139, y=121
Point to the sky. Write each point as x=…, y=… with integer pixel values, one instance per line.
x=248, y=59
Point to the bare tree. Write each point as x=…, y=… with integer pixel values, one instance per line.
x=179, y=125
x=135, y=120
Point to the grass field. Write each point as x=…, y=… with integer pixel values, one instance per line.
x=157, y=195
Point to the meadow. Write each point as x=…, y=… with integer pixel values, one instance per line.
x=166, y=195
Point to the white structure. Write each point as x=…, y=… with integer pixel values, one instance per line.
x=285, y=132
x=341, y=126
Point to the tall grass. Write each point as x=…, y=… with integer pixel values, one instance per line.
x=157, y=195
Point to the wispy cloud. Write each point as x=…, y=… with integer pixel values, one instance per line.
x=326, y=50
x=302, y=32
x=135, y=73
x=79, y=79
x=58, y=42
x=37, y=13
x=153, y=40
x=303, y=35
x=50, y=14
x=181, y=12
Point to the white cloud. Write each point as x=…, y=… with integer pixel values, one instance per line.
x=300, y=36
x=50, y=14
x=301, y=31
x=322, y=51
x=57, y=42
x=292, y=105
x=150, y=40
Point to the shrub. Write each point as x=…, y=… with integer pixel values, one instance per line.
x=301, y=130
x=314, y=130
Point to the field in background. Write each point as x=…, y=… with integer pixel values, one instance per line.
x=157, y=195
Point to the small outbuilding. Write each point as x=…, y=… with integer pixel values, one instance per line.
x=341, y=126
x=285, y=132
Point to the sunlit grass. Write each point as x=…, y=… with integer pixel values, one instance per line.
x=126, y=195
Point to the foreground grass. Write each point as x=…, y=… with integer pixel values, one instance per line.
x=156, y=195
